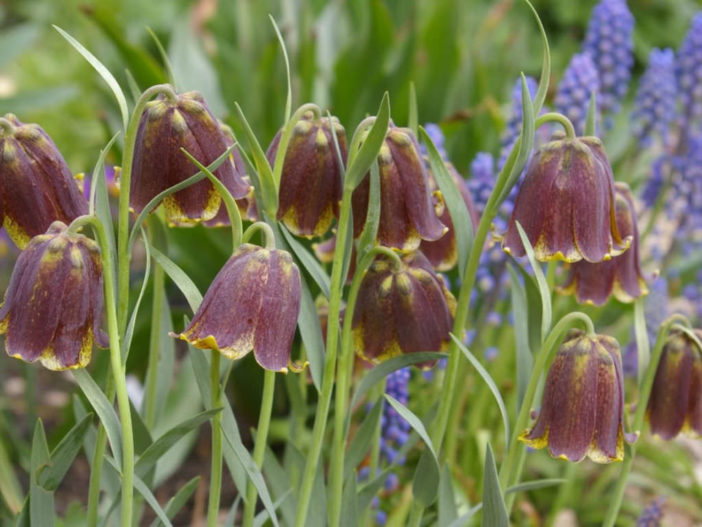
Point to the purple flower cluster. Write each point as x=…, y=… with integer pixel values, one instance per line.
x=395, y=430
x=655, y=97
x=652, y=514
x=437, y=137
x=514, y=123
x=689, y=74
x=609, y=43
x=482, y=179
x=579, y=81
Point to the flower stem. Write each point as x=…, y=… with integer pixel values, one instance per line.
x=264, y=421
x=644, y=394
x=216, y=466
x=559, y=118
x=321, y=415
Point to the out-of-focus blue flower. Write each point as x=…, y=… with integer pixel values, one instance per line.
x=394, y=429
x=688, y=190
x=573, y=96
x=437, y=137
x=654, y=185
x=689, y=73
x=482, y=179
x=655, y=97
x=652, y=514
x=609, y=42
x=514, y=122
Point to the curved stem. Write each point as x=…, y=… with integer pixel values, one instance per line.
x=321, y=415
x=641, y=406
x=7, y=125
x=344, y=370
x=269, y=236
x=216, y=466
x=123, y=256
x=558, y=118
x=118, y=370
x=264, y=421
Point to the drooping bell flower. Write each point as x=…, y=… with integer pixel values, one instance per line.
x=401, y=310
x=582, y=411
x=166, y=126
x=310, y=184
x=252, y=304
x=675, y=404
x=53, y=305
x=443, y=253
x=36, y=185
x=621, y=276
x=566, y=204
x=407, y=213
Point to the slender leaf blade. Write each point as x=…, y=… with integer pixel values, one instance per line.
x=494, y=509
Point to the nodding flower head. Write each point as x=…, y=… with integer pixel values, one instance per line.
x=36, y=185
x=566, y=204
x=166, y=126
x=53, y=305
x=582, y=411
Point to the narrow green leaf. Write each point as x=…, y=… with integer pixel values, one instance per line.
x=161, y=445
x=349, y=511
x=367, y=492
x=520, y=310
x=460, y=217
x=10, y=489
x=385, y=368
x=41, y=501
x=279, y=482
x=535, y=485
x=103, y=72
x=129, y=333
x=591, y=118
x=50, y=476
x=361, y=442
x=541, y=281
x=413, y=120
x=233, y=512
x=370, y=229
x=104, y=410
x=178, y=501
x=360, y=161
x=488, y=380
x=288, y=97
x=494, y=509
x=545, y=63
x=311, y=333
x=164, y=57
x=263, y=516
x=142, y=436
x=166, y=362
x=180, y=278
x=447, y=500
x=309, y=262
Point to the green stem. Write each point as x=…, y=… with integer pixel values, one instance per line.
x=321, y=415
x=216, y=466
x=118, y=369
x=641, y=406
x=264, y=421
x=268, y=235
x=344, y=370
x=510, y=467
x=558, y=118
x=123, y=255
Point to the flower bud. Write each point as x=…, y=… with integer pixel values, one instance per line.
x=407, y=213
x=582, y=411
x=166, y=126
x=252, y=304
x=620, y=276
x=401, y=310
x=675, y=403
x=310, y=184
x=53, y=305
x=36, y=185
x=566, y=204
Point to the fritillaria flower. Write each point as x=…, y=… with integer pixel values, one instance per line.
x=407, y=213
x=252, y=304
x=566, y=204
x=582, y=412
x=310, y=184
x=166, y=126
x=675, y=403
x=401, y=309
x=36, y=185
x=621, y=276
x=443, y=253
x=53, y=305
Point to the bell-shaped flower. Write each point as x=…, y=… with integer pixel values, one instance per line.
x=582, y=411
x=53, y=305
x=36, y=185
x=566, y=204
x=407, y=213
x=675, y=404
x=621, y=276
x=166, y=126
x=310, y=184
x=401, y=309
x=252, y=304
x=443, y=253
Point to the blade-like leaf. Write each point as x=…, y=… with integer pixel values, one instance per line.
x=541, y=281
x=494, y=509
x=178, y=501
x=349, y=510
x=308, y=262
x=447, y=499
x=360, y=162
x=51, y=475
x=41, y=501
x=180, y=278
x=520, y=310
x=10, y=489
x=366, y=240
x=364, y=436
